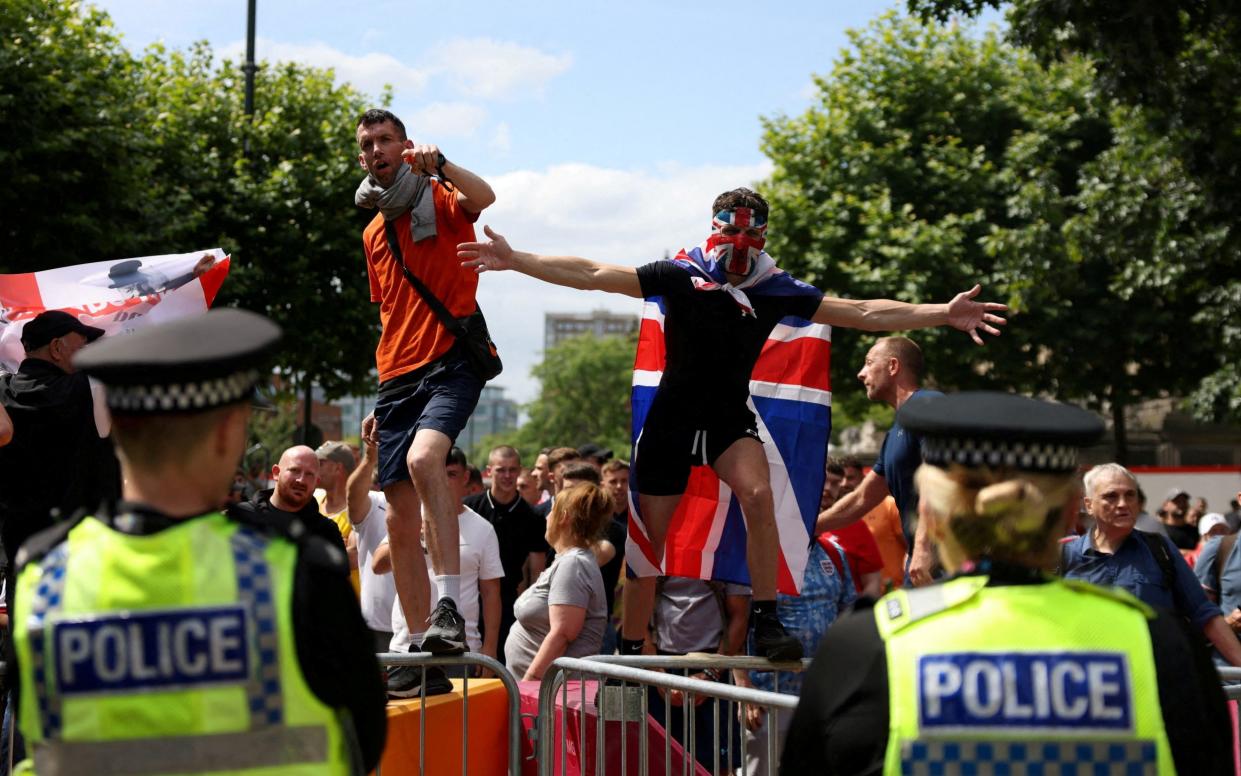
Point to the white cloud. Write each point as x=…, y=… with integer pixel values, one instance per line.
x=491, y=69
x=441, y=121
x=501, y=142
x=620, y=216
x=368, y=72
x=479, y=68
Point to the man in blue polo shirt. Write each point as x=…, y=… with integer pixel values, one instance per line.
x=892, y=373
x=1148, y=566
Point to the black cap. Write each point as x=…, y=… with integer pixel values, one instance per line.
x=50, y=324
x=984, y=428
x=592, y=450
x=188, y=365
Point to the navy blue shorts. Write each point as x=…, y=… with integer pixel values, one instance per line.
x=673, y=440
x=440, y=396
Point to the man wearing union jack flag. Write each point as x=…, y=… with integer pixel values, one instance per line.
x=722, y=299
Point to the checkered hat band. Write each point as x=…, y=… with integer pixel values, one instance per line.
x=199, y=395
x=1027, y=758
x=1028, y=456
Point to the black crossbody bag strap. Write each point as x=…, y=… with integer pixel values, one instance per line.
x=452, y=324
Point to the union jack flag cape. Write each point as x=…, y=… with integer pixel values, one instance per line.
x=790, y=394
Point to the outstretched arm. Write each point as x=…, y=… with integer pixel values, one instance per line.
x=853, y=506
x=888, y=315
x=495, y=254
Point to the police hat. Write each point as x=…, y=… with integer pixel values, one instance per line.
x=50, y=324
x=984, y=428
x=188, y=365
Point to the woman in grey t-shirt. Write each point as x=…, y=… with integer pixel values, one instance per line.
x=565, y=611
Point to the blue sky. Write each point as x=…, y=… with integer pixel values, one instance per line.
x=605, y=128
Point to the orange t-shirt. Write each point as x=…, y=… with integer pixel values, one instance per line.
x=884, y=522
x=412, y=334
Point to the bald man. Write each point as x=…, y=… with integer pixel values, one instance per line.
x=292, y=500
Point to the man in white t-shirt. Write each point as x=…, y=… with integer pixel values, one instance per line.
x=367, y=513
x=481, y=572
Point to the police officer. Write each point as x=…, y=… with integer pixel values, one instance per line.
x=160, y=636
x=1002, y=667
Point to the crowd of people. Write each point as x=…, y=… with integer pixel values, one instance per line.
x=160, y=585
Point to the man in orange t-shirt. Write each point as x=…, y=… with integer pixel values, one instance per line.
x=427, y=389
x=884, y=522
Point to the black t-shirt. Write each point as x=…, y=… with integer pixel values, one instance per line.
x=616, y=533
x=710, y=343
x=1185, y=537
x=520, y=532
x=841, y=722
x=260, y=508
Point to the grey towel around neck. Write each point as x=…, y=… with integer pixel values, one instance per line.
x=409, y=192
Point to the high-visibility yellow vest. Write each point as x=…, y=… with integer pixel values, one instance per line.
x=1052, y=673
x=168, y=653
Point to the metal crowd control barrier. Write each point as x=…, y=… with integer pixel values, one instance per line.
x=627, y=702
x=387, y=659
x=1231, y=679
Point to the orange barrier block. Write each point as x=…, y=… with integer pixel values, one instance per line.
x=445, y=728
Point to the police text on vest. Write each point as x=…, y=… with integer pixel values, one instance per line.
x=1081, y=691
x=150, y=650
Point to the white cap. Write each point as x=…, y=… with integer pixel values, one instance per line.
x=1209, y=521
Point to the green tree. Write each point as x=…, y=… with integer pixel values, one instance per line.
x=584, y=397
x=72, y=148
x=106, y=154
x=935, y=158
x=276, y=190
x=1178, y=64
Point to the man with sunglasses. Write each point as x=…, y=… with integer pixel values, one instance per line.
x=722, y=300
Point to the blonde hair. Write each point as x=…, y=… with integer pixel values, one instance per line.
x=586, y=509
x=1002, y=514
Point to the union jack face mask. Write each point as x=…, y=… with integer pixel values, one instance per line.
x=736, y=253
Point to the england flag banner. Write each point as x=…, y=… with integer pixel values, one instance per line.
x=790, y=395
x=118, y=296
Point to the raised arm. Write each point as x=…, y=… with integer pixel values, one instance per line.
x=473, y=193
x=889, y=315
x=495, y=254
x=358, y=488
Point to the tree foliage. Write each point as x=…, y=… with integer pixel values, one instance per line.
x=935, y=158
x=72, y=153
x=1177, y=63
x=284, y=207
x=110, y=154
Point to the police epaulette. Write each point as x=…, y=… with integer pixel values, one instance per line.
x=1111, y=593
x=43, y=542
x=902, y=608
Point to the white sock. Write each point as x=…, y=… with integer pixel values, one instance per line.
x=449, y=586
x=415, y=641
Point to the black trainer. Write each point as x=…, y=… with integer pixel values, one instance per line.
x=773, y=642
x=407, y=681
x=446, y=636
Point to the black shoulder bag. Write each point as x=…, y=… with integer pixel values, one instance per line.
x=470, y=331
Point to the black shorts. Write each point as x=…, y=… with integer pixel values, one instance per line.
x=676, y=437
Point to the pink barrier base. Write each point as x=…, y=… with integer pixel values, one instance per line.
x=580, y=738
